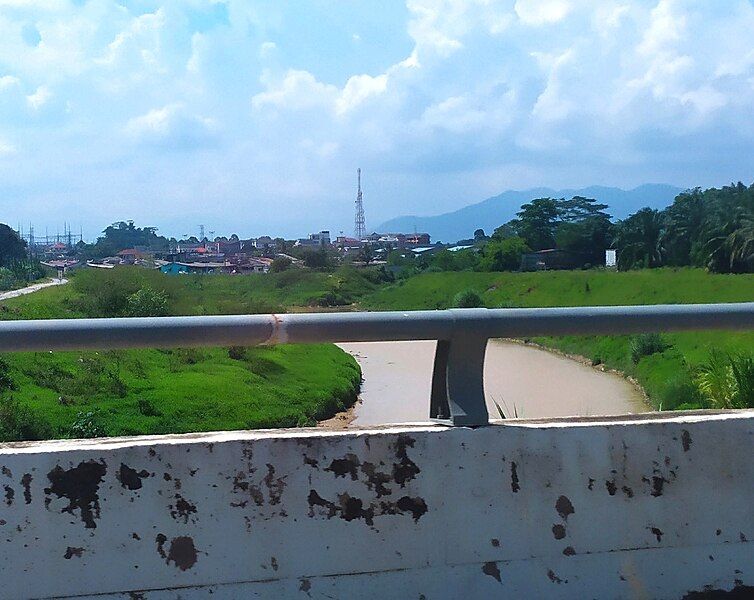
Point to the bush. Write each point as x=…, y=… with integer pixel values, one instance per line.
x=467, y=299
x=280, y=264
x=147, y=408
x=237, y=352
x=680, y=391
x=6, y=381
x=87, y=425
x=647, y=344
x=147, y=303
x=20, y=423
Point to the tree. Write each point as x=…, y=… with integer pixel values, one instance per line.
x=479, y=235
x=315, y=259
x=366, y=254
x=503, y=255
x=280, y=264
x=537, y=222
x=640, y=240
x=12, y=247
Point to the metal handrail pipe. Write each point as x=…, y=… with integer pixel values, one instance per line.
x=250, y=330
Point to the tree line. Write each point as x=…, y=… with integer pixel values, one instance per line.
x=712, y=229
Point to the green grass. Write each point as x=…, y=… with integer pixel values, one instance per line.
x=154, y=391
x=665, y=376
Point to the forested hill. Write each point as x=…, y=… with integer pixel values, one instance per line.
x=490, y=213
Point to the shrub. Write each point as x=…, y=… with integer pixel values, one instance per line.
x=20, y=423
x=467, y=299
x=147, y=408
x=147, y=303
x=727, y=380
x=647, y=344
x=280, y=264
x=87, y=425
x=237, y=352
x=679, y=392
x=6, y=381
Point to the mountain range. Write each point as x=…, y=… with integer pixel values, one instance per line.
x=493, y=212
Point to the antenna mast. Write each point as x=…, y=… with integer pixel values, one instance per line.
x=360, y=228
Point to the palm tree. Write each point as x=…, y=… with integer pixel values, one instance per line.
x=640, y=239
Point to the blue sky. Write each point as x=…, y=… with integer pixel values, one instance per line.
x=252, y=117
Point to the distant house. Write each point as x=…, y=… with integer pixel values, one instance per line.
x=130, y=255
x=315, y=240
x=552, y=259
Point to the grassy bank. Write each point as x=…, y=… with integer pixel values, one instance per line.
x=68, y=394
x=665, y=375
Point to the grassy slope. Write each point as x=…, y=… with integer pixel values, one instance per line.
x=151, y=391
x=664, y=376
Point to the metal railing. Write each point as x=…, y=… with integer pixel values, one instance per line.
x=457, y=395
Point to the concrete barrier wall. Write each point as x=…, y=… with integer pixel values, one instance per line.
x=655, y=507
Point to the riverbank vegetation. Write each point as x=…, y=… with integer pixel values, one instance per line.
x=89, y=394
x=668, y=366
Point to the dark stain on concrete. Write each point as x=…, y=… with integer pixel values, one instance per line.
x=182, y=509
x=350, y=508
x=131, y=478
x=558, y=531
x=686, y=440
x=26, y=482
x=628, y=491
x=80, y=486
x=554, y=578
x=312, y=462
x=564, y=507
x=305, y=586
x=71, y=552
x=241, y=484
x=6, y=471
x=495, y=542
x=135, y=536
x=182, y=552
x=738, y=592
x=656, y=532
x=569, y=551
x=491, y=569
x=274, y=563
x=9, y=495
x=657, y=482
x=167, y=476
x=514, y=478
x=590, y=485
x=161, y=539
x=416, y=506
x=405, y=469
x=136, y=596
x=348, y=465
x=275, y=486
x=611, y=487
x=376, y=480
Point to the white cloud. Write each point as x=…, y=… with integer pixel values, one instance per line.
x=39, y=98
x=541, y=12
x=6, y=148
x=172, y=125
x=9, y=81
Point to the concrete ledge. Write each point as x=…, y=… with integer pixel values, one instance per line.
x=648, y=507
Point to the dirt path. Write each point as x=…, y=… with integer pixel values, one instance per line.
x=31, y=289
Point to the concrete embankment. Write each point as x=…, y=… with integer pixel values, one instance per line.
x=649, y=506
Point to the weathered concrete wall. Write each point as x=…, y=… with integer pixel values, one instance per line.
x=646, y=508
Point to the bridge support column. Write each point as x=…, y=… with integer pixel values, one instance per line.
x=457, y=395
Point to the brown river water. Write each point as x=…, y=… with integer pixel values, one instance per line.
x=524, y=381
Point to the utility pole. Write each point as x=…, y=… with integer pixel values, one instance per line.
x=360, y=229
